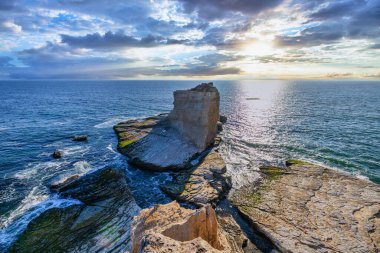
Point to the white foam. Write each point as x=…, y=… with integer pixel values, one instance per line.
x=33, y=169
x=110, y=148
x=33, y=198
x=3, y=128
x=71, y=150
x=111, y=122
x=82, y=167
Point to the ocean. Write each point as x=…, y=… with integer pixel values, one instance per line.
x=332, y=123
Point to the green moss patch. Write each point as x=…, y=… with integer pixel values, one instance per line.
x=272, y=172
x=296, y=162
x=123, y=144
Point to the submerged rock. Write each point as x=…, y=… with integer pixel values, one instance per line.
x=309, y=208
x=171, y=228
x=170, y=142
x=80, y=138
x=101, y=221
x=205, y=184
x=57, y=154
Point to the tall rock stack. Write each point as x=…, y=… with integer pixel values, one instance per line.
x=196, y=113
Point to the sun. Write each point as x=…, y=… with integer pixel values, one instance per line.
x=258, y=48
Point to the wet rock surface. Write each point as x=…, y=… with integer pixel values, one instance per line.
x=98, y=222
x=171, y=228
x=309, y=208
x=206, y=183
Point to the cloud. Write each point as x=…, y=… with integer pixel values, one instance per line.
x=374, y=46
x=9, y=26
x=116, y=40
x=217, y=9
x=335, y=20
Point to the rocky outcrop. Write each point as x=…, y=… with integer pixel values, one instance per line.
x=171, y=228
x=80, y=138
x=57, y=154
x=98, y=222
x=171, y=142
x=205, y=184
x=196, y=113
x=151, y=144
x=309, y=208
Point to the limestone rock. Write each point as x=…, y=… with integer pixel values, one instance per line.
x=205, y=184
x=151, y=144
x=196, y=113
x=171, y=228
x=99, y=223
x=171, y=142
x=309, y=208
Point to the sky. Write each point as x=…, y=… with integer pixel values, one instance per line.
x=190, y=39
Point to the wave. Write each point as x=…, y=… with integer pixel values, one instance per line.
x=111, y=122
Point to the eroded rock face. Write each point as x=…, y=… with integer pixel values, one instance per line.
x=308, y=208
x=100, y=222
x=205, y=184
x=170, y=228
x=196, y=113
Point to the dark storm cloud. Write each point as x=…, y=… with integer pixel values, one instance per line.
x=351, y=19
x=217, y=9
x=116, y=40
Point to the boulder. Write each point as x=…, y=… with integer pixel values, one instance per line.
x=171, y=228
x=196, y=113
x=223, y=119
x=309, y=208
x=80, y=138
x=205, y=184
x=57, y=154
x=99, y=221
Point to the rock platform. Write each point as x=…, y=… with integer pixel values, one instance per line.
x=309, y=208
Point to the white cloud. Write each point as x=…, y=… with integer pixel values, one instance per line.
x=10, y=26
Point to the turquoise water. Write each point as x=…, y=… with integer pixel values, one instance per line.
x=333, y=123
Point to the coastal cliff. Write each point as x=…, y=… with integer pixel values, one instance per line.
x=300, y=208
x=171, y=142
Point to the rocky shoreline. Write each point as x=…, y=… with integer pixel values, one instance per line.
x=300, y=208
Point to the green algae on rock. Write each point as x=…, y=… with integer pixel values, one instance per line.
x=309, y=208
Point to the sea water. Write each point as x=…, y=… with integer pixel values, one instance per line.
x=332, y=123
